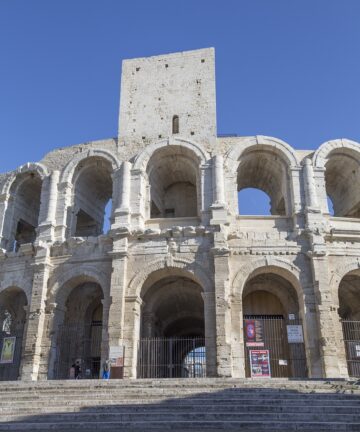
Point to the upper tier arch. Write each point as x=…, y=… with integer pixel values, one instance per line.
x=324, y=151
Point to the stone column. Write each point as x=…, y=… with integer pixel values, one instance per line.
x=309, y=186
x=237, y=337
x=64, y=218
x=132, y=335
x=47, y=219
x=223, y=319
x=205, y=193
x=121, y=195
x=36, y=323
x=210, y=333
x=138, y=196
x=332, y=359
x=4, y=203
x=219, y=213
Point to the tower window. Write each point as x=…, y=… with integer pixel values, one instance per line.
x=175, y=124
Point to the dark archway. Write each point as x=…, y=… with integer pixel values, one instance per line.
x=271, y=313
x=172, y=326
x=13, y=302
x=79, y=332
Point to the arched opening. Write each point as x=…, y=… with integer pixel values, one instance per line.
x=175, y=124
x=342, y=179
x=174, y=183
x=172, y=343
x=23, y=211
x=273, y=335
x=254, y=202
x=266, y=171
x=12, y=322
x=349, y=312
x=79, y=332
x=92, y=197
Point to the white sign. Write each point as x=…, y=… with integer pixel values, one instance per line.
x=357, y=350
x=283, y=362
x=291, y=316
x=295, y=334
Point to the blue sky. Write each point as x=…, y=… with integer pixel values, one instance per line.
x=286, y=68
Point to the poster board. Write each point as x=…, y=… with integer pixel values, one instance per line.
x=116, y=356
x=8, y=349
x=260, y=363
x=254, y=333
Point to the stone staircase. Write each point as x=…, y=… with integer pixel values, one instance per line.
x=180, y=405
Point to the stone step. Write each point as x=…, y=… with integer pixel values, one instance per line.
x=187, y=408
x=182, y=416
x=182, y=426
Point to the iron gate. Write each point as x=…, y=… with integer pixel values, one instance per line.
x=286, y=359
x=10, y=371
x=78, y=344
x=351, y=332
x=171, y=358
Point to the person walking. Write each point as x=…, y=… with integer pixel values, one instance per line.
x=106, y=370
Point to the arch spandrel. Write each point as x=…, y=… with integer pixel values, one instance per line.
x=323, y=153
x=178, y=143
x=161, y=268
x=68, y=171
x=265, y=143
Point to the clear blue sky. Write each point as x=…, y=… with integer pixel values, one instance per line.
x=286, y=68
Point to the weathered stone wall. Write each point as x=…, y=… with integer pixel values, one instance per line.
x=205, y=243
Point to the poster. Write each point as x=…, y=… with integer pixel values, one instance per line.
x=260, y=363
x=295, y=334
x=7, y=351
x=254, y=333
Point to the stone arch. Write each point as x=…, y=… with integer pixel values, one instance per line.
x=60, y=285
x=143, y=158
x=324, y=151
x=260, y=142
x=265, y=164
x=340, y=161
x=188, y=268
x=68, y=171
x=278, y=266
x=29, y=167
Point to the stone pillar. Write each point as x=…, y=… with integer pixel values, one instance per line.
x=36, y=323
x=295, y=190
x=210, y=333
x=138, y=196
x=205, y=193
x=223, y=319
x=332, y=359
x=117, y=294
x=64, y=217
x=132, y=335
x=237, y=333
x=219, y=213
x=4, y=203
x=121, y=195
x=47, y=218
x=310, y=187
x=105, y=331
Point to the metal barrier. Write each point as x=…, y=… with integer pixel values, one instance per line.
x=171, y=358
x=280, y=341
x=78, y=351
x=351, y=332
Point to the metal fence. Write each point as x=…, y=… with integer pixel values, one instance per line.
x=286, y=359
x=171, y=358
x=10, y=370
x=78, y=351
x=351, y=332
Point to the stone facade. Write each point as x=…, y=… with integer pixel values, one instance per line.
x=178, y=259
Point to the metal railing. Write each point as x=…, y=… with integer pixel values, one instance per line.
x=351, y=332
x=171, y=358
